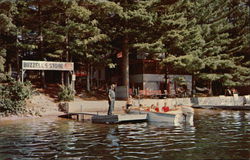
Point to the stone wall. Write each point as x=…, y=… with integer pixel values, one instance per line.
x=221, y=100
x=102, y=106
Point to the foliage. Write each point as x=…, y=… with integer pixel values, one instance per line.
x=180, y=81
x=210, y=42
x=222, y=42
x=127, y=24
x=208, y=39
x=7, y=9
x=13, y=96
x=66, y=93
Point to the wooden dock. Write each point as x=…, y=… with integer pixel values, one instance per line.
x=82, y=115
x=104, y=118
x=119, y=118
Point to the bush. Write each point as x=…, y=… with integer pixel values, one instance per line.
x=66, y=94
x=13, y=95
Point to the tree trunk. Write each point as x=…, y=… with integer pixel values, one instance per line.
x=17, y=58
x=91, y=76
x=166, y=85
x=98, y=78
x=210, y=88
x=62, y=78
x=67, y=56
x=40, y=45
x=125, y=65
x=10, y=69
x=193, y=86
x=88, y=77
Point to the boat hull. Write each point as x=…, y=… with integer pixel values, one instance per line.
x=178, y=117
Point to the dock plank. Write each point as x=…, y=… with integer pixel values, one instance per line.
x=118, y=118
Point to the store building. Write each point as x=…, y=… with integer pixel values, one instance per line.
x=148, y=78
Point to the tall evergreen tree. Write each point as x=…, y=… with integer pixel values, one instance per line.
x=209, y=39
x=221, y=44
x=239, y=48
x=126, y=23
x=207, y=47
x=60, y=30
x=181, y=37
x=7, y=28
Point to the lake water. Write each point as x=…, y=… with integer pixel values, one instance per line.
x=215, y=135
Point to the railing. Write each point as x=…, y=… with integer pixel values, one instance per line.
x=158, y=93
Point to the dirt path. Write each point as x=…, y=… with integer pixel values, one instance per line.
x=45, y=103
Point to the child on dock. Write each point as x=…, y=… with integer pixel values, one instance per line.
x=129, y=102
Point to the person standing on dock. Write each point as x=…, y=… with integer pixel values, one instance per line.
x=111, y=99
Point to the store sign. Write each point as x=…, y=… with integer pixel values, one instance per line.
x=47, y=65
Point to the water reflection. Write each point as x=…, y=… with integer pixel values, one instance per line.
x=222, y=134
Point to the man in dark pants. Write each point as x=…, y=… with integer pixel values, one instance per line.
x=111, y=99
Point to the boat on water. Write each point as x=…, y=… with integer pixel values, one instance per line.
x=177, y=116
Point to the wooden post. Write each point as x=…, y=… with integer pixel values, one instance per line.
x=22, y=75
x=73, y=79
x=80, y=117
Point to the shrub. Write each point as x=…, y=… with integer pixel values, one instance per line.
x=13, y=95
x=66, y=94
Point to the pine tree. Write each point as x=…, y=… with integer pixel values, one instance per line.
x=239, y=47
x=221, y=44
x=126, y=23
x=181, y=37
x=61, y=31
x=207, y=44
x=7, y=11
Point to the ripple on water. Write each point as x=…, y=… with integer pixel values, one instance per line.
x=224, y=135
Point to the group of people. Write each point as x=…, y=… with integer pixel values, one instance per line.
x=156, y=108
x=111, y=101
x=230, y=91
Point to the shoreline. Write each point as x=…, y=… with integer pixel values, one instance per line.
x=42, y=105
x=25, y=117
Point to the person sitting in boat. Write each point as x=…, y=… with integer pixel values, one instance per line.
x=157, y=109
x=165, y=108
x=154, y=108
x=142, y=108
x=151, y=108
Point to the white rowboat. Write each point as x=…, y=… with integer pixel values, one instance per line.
x=181, y=115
